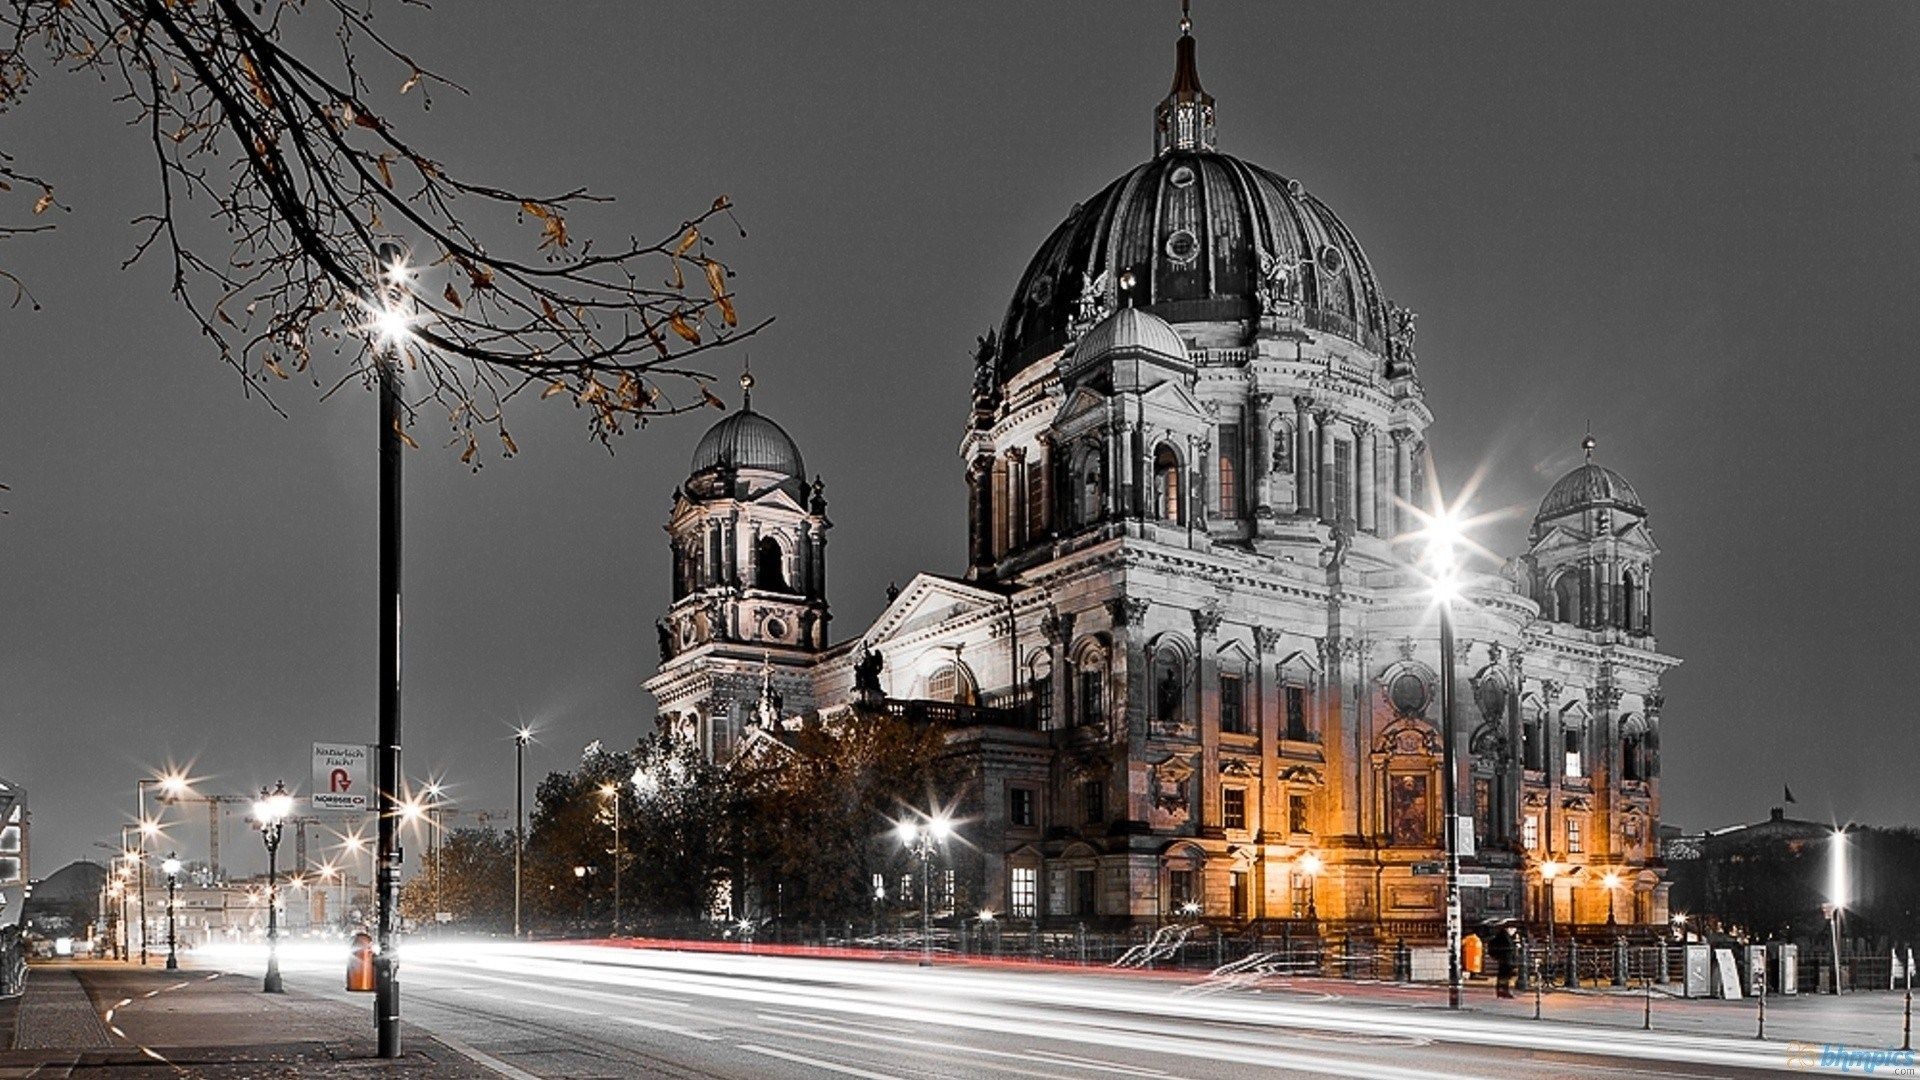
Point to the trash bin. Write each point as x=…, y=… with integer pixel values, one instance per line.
x=360, y=963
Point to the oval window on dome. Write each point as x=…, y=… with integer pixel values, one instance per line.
x=1182, y=246
x=1182, y=177
x=1409, y=694
x=1330, y=259
x=1294, y=188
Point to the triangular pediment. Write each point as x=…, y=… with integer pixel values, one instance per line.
x=1172, y=395
x=1083, y=401
x=928, y=600
x=1635, y=532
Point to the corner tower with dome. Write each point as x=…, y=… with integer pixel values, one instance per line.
x=1189, y=670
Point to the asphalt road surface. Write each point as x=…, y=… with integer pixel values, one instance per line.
x=587, y=1011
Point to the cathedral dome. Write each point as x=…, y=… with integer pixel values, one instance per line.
x=1194, y=235
x=748, y=440
x=1590, y=487
x=1131, y=330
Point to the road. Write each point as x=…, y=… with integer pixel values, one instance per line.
x=588, y=1011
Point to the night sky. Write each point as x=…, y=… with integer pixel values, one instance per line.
x=1691, y=225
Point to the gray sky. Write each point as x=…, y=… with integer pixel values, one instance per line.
x=1692, y=224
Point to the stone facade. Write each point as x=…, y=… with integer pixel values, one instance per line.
x=1193, y=664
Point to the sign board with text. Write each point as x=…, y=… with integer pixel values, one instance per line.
x=342, y=777
x=1476, y=881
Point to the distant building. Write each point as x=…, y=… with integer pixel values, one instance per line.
x=15, y=851
x=1188, y=667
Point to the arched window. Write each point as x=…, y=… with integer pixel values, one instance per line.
x=1533, y=754
x=1090, y=685
x=1633, y=749
x=1089, y=487
x=1169, y=686
x=1229, y=500
x=770, y=565
x=950, y=682
x=1166, y=484
x=1629, y=601
x=1573, y=740
x=1566, y=598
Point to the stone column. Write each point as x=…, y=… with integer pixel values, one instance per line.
x=1363, y=484
x=1255, y=444
x=1302, y=455
x=1121, y=465
x=753, y=554
x=730, y=545
x=1042, y=474
x=1019, y=529
x=1328, y=501
x=1402, y=478
x=980, y=484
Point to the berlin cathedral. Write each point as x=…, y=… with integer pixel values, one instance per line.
x=1188, y=668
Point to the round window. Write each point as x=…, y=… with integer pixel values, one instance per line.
x=1182, y=246
x=1409, y=694
x=1294, y=188
x=776, y=628
x=1182, y=177
x=1330, y=259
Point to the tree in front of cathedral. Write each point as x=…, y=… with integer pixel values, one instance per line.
x=297, y=167
x=818, y=813
x=470, y=879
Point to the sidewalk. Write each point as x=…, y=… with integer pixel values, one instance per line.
x=101, y=1017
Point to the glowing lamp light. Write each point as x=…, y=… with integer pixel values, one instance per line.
x=523, y=735
x=174, y=784
x=940, y=826
x=171, y=867
x=906, y=831
x=986, y=915
x=1611, y=880
x=1310, y=864
x=149, y=828
x=1549, y=870
x=273, y=807
x=1837, y=871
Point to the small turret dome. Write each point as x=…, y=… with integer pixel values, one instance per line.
x=1130, y=331
x=1590, y=487
x=748, y=440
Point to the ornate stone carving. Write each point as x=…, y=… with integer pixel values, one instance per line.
x=1401, y=329
x=1128, y=610
x=1279, y=288
x=1603, y=699
x=1550, y=691
x=1170, y=785
x=1096, y=299
x=1206, y=620
x=1655, y=702
x=1234, y=766
x=1265, y=638
x=986, y=374
x=1407, y=648
x=1407, y=736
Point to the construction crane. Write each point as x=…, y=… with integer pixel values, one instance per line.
x=214, y=802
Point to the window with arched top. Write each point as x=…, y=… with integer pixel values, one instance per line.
x=770, y=565
x=1566, y=598
x=1090, y=685
x=1166, y=484
x=1088, y=487
x=1629, y=601
x=950, y=682
x=1633, y=749
x=1169, y=686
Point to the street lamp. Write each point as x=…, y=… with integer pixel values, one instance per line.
x=584, y=874
x=612, y=791
x=1310, y=865
x=172, y=869
x=328, y=872
x=270, y=810
x=1549, y=870
x=1837, y=896
x=1610, y=882
x=1443, y=531
x=172, y=783
x=920, y=838
x=520, y=740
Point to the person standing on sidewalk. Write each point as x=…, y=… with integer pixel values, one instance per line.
x=1505, y=948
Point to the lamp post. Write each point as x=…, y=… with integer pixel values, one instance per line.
x=584, y=874
x=520, y=740
x=1549, y=871
x=612, y=791
x=920, y=839
x=1311, y=865
x=172, y=869
x=270, y=811
x=1611, y=882
x=1836, y=896
x=173, y=784
x=1443, y=530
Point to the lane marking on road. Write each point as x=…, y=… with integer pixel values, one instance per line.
x=830, y=1066
x=777, y=1015
x=117, y=1033
x=150, y=993
x=150, y=1052
x=483, y=1059
x=923, y=1046
x=108, y=1015
x=1095, y=1063
x=671, y=1028
x=123, y=1003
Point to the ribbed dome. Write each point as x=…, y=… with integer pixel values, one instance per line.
x=1588, y=487
x=748, y=440
x=1204, y=237
x=1130, y=330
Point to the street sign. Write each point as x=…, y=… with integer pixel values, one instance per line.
x=340, y=777
x=1429, y=869
x=1476, y=881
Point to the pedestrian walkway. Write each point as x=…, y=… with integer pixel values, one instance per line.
x=85, y=1017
